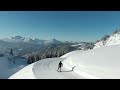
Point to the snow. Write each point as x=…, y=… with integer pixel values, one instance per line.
x=25, y=73
x=114, y=39
x=76, y=45
x=8, y=68
x=18, y=39
x=20, y=49
x=97, y=63
x=45, y=69
x=100, y=63
x=52, y=41
x=99, y=44
x=71, y=53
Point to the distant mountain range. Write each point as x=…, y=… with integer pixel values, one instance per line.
x=24, y=46
x=30, y=40
x=37, y=49
x=28, y=47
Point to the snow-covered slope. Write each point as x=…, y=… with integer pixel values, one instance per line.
x=91, y=64
x=25, y=73
x=114, y=39
x=45, y=69
x=107, y=40
x=97, y=63
x=71, y=53
x=102, y=42
x=8, y=67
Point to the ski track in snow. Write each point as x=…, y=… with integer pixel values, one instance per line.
x=47, y=69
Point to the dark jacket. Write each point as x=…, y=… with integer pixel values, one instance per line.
x=60, y=64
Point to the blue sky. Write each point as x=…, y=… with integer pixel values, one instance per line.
x=62, y=25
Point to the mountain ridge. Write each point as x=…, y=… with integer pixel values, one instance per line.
x=108, y=40
x=30, y=40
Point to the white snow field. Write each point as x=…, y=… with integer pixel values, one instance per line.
x=99, y=63
x=71, y=53
x=8, y=67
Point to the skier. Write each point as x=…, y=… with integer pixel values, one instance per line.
x=60, y=65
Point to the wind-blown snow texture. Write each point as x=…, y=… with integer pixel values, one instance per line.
x=91, y=64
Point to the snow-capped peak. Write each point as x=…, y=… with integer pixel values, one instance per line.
x=30, y=40
x=107, y=40
x=102, y=42
x=18, y=38
x=53, y=41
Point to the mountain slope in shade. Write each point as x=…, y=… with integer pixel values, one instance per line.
x=10, y=65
